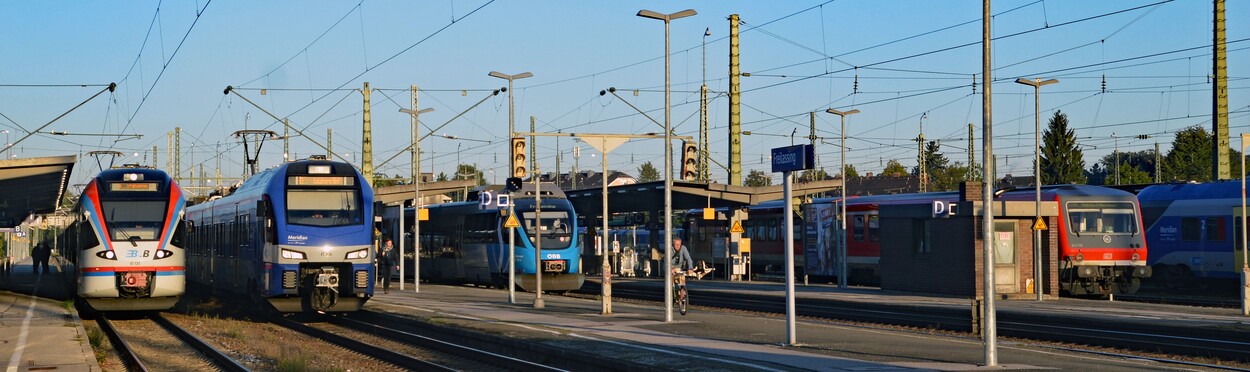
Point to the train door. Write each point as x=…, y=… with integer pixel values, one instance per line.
x=1005, y=268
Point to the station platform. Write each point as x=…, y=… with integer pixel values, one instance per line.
x=635, y=336
x=39, y=328
x=1025, y=305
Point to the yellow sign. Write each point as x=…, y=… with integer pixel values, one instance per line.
x=1039, y=225
x=423, y=214
x=744, y=245
x=737, y=228
x=512, y=222
x=709, y=214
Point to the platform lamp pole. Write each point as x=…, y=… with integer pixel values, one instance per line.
x=668, y=161
x=842, y=277
x=1037, y=178
x=416, y=201
x=1245, y=267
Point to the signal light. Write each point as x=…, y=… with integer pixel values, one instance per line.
x=689, y=161
x=518, y=158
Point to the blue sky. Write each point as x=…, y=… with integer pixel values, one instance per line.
x=804, y=56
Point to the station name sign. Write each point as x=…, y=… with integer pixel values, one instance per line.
x=792, y=158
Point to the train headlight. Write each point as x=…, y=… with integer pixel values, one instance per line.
x=1079, y=257
x=356, y=255
x=293, y=255
x=162, y=253
x=1136, y=257
x=107, y=254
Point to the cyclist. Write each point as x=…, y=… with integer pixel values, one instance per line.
x=681, y=261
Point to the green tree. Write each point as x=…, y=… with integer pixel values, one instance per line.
x=648, y=173
x=1132, y=175
x=813, y=175
x=935, y=165
x=948, y=178
x=757, y=178
x=469, y=172
x=441, y=177
x=851, y=172
x=934, y=160
x=893, y=169
x=1104, y=171
x=1062, y=161
x=382, y=180
x=1190, y=157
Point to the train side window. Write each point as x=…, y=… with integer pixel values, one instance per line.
x=1191, y=229
x=857, y=228
x=702, y=233
x=772, y=230
x=874, y=228
x=1237, y=233
x=1216, y=229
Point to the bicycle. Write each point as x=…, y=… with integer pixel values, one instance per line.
x=681, y=299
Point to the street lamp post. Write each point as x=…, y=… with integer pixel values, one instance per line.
x=668, y=161
x=1245, y=266
x=842, y=266
x=511, y=167
x=1037, y=178
x=416, y=201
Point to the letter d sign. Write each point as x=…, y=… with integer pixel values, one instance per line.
x=940, y=209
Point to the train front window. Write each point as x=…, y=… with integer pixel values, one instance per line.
x=138, y=220
x=556, y=229
x=1109, y=218
x=323, y=208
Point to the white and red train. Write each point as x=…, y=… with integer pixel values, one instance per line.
x=125, y=245
x=1102, y=247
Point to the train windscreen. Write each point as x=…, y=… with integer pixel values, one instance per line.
x=555, y=228
x=138, y=220
x=1113, y=218
x=324, y=208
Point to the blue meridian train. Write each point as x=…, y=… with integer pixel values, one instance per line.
x=464, y=243
x=299, y=236
x=1193, y=230
x=125, y=244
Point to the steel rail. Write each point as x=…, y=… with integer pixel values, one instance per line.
x=223, y=361
x=124, y=352
x=387, y=356
x=499, y=360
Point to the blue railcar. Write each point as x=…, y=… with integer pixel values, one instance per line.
x=1192, y=230
x=299, y=236
x=125, y=245
x=464, y=243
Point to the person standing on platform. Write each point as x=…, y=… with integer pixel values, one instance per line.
x=41, y=255
x=386, y=261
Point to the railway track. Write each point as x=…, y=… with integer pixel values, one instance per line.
x=384, y=326
x=147, y=341
x=1171, y=339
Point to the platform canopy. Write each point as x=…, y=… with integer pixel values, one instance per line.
x=649, y=196
x=32, y=186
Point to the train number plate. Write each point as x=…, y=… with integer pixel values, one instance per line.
x=135, y=279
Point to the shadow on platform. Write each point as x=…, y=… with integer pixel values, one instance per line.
x=20, y=277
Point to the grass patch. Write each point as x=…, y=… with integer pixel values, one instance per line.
x=99, y=343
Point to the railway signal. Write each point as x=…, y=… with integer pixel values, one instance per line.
x=518, y=157
x=689, y=161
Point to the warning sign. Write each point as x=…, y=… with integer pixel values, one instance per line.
x=1039, y=224
x=512, y=222
x=737, y=228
